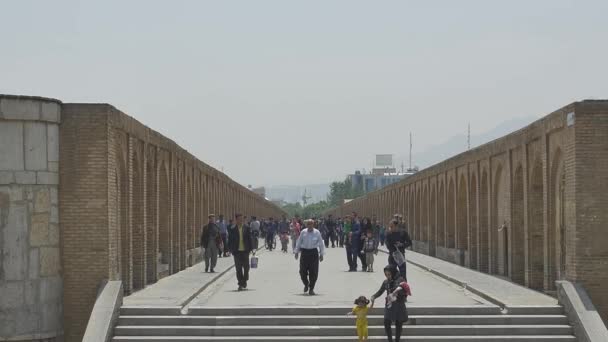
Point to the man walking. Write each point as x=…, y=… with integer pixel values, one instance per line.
x=270, y=233
x=255, y=230
x=310, y=244
x=330, y=225
x=211, y=244
x=221, y=223
x=239, y=241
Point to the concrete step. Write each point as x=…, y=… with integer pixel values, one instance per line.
x=375, y=330
x=350, y=338
x=151, y=310
x=314, y=310
x=535, y=310
x=340, y=320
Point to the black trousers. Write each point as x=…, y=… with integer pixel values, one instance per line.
x=269, y=240
x=241, y=264
x=225, y=242
x=389, y=333
x=309, y=267
x=351, y=258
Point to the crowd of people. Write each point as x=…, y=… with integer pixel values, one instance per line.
x=361, y=238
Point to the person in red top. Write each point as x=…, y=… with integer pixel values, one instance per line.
x=294, y=229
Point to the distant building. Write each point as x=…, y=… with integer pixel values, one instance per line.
x=260, y=191
x=378, y=178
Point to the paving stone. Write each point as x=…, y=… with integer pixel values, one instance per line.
x=53, y=234
x=25, y=177
x=53, y=142
x=11, y=146
x=50, y=262
x=53, y=166
x=20, y=109
x=54, y=215
x=39, y=231
x=50, y=111
x=35, y=146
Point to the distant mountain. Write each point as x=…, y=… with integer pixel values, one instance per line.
x=458, y=143
x=430, y=156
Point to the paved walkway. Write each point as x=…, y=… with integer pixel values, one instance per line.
x=497, y=290
x=277, y=282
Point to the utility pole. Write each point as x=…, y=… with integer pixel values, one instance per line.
x=410, y=150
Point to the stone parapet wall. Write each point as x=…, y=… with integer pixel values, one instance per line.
x=31, y=285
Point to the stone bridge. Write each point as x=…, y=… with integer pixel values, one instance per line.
x=530, y=206
x=89, y=194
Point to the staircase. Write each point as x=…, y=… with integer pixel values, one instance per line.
x=295, y=324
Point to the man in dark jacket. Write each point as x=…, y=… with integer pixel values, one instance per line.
x=240, y=245
x=211, y=243
x=397, y=240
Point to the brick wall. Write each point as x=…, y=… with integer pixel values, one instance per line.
x=532, y=204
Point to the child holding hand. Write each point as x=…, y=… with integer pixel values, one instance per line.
x=360, y=310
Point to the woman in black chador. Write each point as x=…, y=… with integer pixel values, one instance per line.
x=396, y=290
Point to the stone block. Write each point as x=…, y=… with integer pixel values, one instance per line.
x=50, y=111
x=12, y=295
x=53, y=234
x=52, y=142
x=20, y=109
x=8, y=326
x=50, y=262
x=25, y=177
x=34, y=267
x=51, y=290
x=11, y=146
x=51, y=317
x=35, y=146
x=7, y=177
x=53, y=166
x=47, y=178
x=54, y=215
x=14, y=193
x=42, y=201
x=39, y=232
x=31, y=288
x=27, y=320
x=15, y=240
x=54, y=196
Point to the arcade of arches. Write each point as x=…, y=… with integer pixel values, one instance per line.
x=530, y=206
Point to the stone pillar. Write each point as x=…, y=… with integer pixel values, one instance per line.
x=31, y=284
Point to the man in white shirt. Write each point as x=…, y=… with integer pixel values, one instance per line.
x=310, y=244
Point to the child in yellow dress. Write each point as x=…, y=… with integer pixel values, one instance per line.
x=360, y=310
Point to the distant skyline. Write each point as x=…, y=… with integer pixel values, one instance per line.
x=278, y=92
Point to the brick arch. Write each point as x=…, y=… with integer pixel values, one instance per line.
x=137, y=215
x=499, y=239
x=517, y=231
x=473, y=226
x=451, y=215
x=433, y=222
x=557, y=227
x=484, y=219
x=536, y=263
x=441, y=216
x=164, y=214
x=189, y=209
x=151, y=218
x=462, y=224
x=124, y=243
x=175, y=200
x=419, y=229
x=424, y=220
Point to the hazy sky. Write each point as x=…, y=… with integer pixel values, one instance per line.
x=296, y=92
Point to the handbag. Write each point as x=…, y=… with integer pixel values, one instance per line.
x=399, y=257
x=254, y=261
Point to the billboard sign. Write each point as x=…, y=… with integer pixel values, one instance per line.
x=384, y=160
